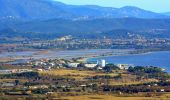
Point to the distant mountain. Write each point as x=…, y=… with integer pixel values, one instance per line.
x=49, y=9
x=111, y=27
x=50, y=19
x=129, y=11
x=32, y=9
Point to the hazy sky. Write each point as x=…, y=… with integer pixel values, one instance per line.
x=152, y=5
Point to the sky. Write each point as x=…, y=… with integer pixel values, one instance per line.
x=152, y=5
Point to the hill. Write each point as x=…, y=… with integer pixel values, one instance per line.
x=49, y=9
x=89, y=28
x=48, y=18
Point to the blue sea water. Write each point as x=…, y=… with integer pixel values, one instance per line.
x=158, y=59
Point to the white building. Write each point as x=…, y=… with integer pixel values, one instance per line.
x=90, y=65
x=102, y=63
x=52, y=64
x=124, y=66
x=7, y=84
x=73, y=64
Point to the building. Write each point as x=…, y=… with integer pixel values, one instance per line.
x=90, y=65
x=47, y=68
x=52, y=64
x=39, y=69
x=73, y=64
x=102, y=63
x=7, y=85
x=124, y=66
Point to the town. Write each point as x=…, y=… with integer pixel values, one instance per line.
x=75, y=43
x=61, y=78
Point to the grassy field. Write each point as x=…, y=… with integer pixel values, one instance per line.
x=13, y=80
x=108, y=97
x=84, y=95
x=79, y=75
x=130, y=82
x=80, y=96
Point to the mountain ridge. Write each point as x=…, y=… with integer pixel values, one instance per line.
x=49, y=9
x=47, y=18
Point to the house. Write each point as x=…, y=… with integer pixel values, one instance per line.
x=38, y=87
x=162, y=90
x=47, y=68
x=8, y=84
x=101, y=63
x=99, y=68
x=73, y=64
x=83, y=85
x=52, y=64
x=124, y=66
x=90, y=65
x=39, y=69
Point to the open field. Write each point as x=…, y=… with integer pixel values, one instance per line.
x=13, y=80
x=109, y=97
x=101, y=96
x=75, y=90
x=129, y=82
x=77, y=74
x=78, y=96
x=81, y=75
x=3, y=60
x=127, y=79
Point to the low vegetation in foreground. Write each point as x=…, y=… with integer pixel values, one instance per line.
x=81, y=83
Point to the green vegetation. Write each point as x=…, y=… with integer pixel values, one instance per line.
x=81, y=82
x=149, y=72
x=110, y=68
x=28, y=75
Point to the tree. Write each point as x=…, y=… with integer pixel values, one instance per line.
x=16, y=82
x=110, y=67
x=80, y=65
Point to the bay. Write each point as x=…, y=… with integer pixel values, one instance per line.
x=157, y=59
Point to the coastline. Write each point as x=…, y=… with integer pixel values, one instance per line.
x=157, y=59
x=53, y=54
x=109, y=55
x=126, y=54
x=69, y=54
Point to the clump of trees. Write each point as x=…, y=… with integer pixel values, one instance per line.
x=110, y=67
x=81, y=65
x=145, y=69
x=161, y=83
x=149, y=72
x=24, y=74
x=1, y=68
x=135, y=88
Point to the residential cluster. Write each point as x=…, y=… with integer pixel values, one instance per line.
x=46, y=64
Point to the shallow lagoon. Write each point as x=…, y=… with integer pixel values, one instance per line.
x=24, y=56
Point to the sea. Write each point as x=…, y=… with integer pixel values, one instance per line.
x=157, y=59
